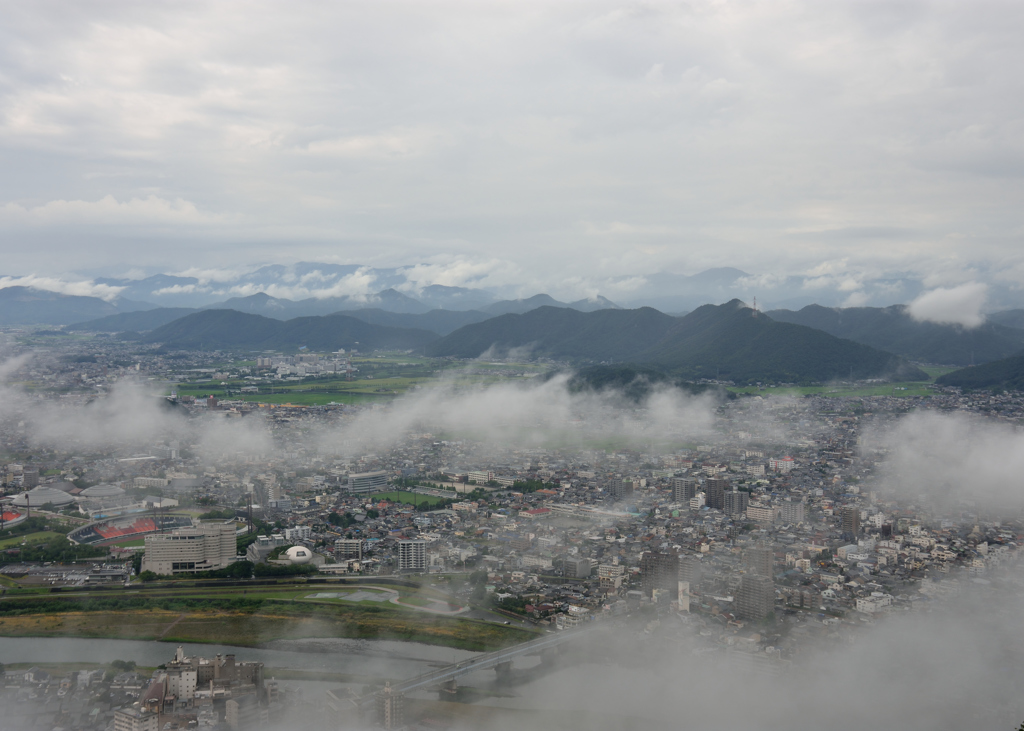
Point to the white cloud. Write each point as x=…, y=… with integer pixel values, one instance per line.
x=461, y=272
x=710, y=128
x=952, y=306
x=394, y=144
x=52, y=284
x=856, y=299
x=108, y=210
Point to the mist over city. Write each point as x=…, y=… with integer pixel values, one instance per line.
x=441, y=366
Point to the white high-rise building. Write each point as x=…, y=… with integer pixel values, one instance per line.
x=412, y=555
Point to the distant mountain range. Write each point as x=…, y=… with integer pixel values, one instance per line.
x=894, y=330
x=140, y=321
x=521, y=306
x=233, y=330
x=26, y=306
x=726, y=342
x=284, y=309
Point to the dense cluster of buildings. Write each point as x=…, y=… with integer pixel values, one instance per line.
x=769, y=531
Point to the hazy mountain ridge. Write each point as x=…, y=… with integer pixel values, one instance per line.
x=893, y=329
x=560, y=332
x=521, y=306
x=132, y=321
x=29, y=306
x=441, y=322
x=229, y=329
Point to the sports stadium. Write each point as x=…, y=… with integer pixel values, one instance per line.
x=10, y=516
x=103, y=532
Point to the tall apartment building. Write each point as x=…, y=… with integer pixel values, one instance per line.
x=759, y=560
x=577, y=567
x=715, y=489
x=412, y=555
x=242, y=712
x=390, y=708
x=683, y=489
x=689, y=570
x=734, y=502
x=346, y=549
x=659, y=571
x=756, y=597
x=620, y=490
x=298, y=533
x=29, y=478
x=850, y=519
x=793, y=511
x=186, y=550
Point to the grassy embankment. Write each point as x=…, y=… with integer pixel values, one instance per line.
x=244, y=617
x=30, y=538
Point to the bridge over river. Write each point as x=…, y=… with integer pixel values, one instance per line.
x=501, y=660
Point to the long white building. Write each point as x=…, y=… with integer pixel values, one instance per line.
x=205, y=547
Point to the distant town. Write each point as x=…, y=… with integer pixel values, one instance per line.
x=768, y=531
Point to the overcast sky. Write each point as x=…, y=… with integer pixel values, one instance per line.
x=588, y=139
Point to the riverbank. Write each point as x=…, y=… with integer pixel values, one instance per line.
x=263, y=624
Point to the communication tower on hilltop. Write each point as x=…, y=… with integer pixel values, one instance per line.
x=754, y=313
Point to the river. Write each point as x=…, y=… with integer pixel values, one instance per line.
x=380, y=658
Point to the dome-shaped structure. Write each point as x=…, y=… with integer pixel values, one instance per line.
x=298, y=555
x=102, y=491
x=42, y=495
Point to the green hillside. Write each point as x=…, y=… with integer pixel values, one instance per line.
x=133, y=321
x=727, y=342
x=228, y=329
x=1008, y=318
x=1007, y=373
x=560, y=332
x=892, y=329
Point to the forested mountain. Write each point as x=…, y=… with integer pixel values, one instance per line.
x=1008, y=318
x=894, y=330
x=729, y=342
x=560, y=332
x=229, y=329
x=1007, y=373
x=132, y=321
x=724, y=341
